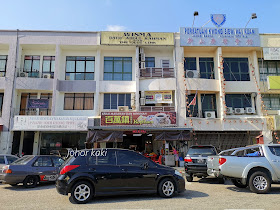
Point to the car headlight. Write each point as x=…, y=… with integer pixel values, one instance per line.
x=178, y=173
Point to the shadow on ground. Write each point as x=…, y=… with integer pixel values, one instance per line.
x=188, y=194
x=20, y=187
x=274, y=190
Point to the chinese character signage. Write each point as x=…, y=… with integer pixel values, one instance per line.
x=227, y=37
x=154, y=119
x=38, y=103
x=271, y=53
x=154, y=97
x=136, y=38
x=50, y=123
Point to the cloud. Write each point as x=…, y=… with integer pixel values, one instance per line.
x=116, y=28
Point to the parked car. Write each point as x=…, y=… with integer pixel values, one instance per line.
x=31, y=169
x=7, y=159
x=255, y=166
x=195, y=161
x=113, y=172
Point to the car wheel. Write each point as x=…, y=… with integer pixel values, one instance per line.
x=166, y=188
x=221, y=180
x=238, y=183
x=81, y=192
x=259, y=182
x=30, y=181
x=189, y=178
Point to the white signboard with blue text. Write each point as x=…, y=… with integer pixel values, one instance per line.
x=227, y=37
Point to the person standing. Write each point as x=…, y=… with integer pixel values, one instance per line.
x=176, y=155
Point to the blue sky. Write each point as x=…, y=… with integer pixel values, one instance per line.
x=141, y=15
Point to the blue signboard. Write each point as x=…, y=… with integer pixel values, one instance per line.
x=227, y=37
x=38, y=103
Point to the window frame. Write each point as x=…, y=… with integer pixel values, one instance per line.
x=228, y=61
x=117, y=102
x=210, y=74
x=33, y=165
x=122, y=73
x=51, y=70
x=150, y=60
x=264, y=64
x=84, y=98
x=32, y=70
x=3, y=72
x=269, y=97
x=75, y=72
x=194, y=108
x=214, y=103
x=244, y=97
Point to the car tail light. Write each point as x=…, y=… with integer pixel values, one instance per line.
x=222, y=161
x=188, y=159
x=68, y=168
x=7, y=171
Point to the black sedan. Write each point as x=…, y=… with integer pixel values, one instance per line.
x=30, y=170
x=100, y=172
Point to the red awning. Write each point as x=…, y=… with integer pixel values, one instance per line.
x=1, y=127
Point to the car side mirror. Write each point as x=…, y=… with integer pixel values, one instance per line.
x=145, y=166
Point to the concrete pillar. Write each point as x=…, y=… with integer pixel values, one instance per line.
x=137, y=76
x=36, y=142
x=55, y=93
x=180, y=94
x=253, y=59
x=267, y=136
x=218, y=75
x=21, y=142
x=97, y=78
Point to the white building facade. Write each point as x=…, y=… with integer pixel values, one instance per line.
x=56, y=86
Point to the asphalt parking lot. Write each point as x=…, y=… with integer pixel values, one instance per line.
x=200, y=194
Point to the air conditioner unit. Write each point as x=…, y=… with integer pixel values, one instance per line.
x=209, y=114
x=123, y=108
x=142, y=56
x=192, y=74
x=23, y=74
x=250, y=110
x=47, y=76
x=142, y=101
x=229, y=110
x=141, y=50
x=143, y=65
x=239, y=111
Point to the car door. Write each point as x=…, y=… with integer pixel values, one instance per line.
x=138, y=172
x=275, y=159
x=105, y=171
x=43, y=166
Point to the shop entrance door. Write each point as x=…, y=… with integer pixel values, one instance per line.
x=28, y=142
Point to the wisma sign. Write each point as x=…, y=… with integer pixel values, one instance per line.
x=228, y=37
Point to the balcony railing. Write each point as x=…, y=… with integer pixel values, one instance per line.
x=35, y=74
x=35, y=112
x=157, y=108
x=157, y=72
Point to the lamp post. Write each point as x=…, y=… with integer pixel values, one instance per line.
x=194, y=14
x=253, y=16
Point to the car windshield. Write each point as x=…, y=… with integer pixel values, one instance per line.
x=201, y=151
x=23, y=161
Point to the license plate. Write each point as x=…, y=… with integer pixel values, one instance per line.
x=200, y=160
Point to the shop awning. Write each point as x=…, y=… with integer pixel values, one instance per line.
x=173, y=136
x=104, y=136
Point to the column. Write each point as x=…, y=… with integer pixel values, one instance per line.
x=97, y=77
x=56, y=78
x=137, y=76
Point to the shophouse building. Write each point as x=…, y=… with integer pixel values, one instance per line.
x=144, y=91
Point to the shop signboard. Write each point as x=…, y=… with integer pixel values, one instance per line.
x=271, y=53
x=50, y=123
x=153, y=97
x=136, y=38
x=227, y=37
x=144, y=119
x=38, y=103
x=274, y=82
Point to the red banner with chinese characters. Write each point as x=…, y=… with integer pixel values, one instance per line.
x=154, y=119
